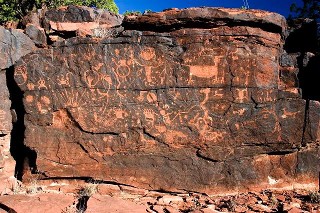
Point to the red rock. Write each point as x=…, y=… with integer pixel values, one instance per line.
x=133, y=190
x=107, y=189
x=37, y=35
x=173, y=210
x=251, y=200
x=40, y=202
x=14, y=44
x=260, y=208
x=98, y=203
x=295, y=210
x=7, y=163
x=264, y=198
x=166, y=200
x=165, y=106
x=281, y=198
x=288, y=206
x=297, y=201
x=240, y=209
x=5, y=113
x=158, y=208
x=171, y=17
x=81, y=19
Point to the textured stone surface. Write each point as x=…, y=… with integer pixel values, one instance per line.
x=189, y=100
x=14, y=44
x=97, y=204
x=206, y=17
x=7, y=165
x=73, y=18
x=36, y=203
x=37, y=35
x=5, y=104
x=262, y=201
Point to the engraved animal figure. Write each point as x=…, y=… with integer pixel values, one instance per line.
x=91, y=78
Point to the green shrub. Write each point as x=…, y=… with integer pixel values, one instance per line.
x=13, y=10
x=130, y=13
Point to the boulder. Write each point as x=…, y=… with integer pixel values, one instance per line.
x=182, y=100
x=80, y=18
x=37, y=35
x=14, y=44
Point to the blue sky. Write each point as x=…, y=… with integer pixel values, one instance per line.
x=279, y=6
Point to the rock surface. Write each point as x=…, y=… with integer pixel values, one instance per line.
x=36, y=203
x=124, y=202
x=37, y=35
x=14, y=44
x=5, y=104
x=183, y=100
x=85, y=19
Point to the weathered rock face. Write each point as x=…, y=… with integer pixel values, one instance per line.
x=180, y=100
x=5, y=115
x=83, y=19
x=14, y=44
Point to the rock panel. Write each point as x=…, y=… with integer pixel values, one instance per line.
x=170, y=107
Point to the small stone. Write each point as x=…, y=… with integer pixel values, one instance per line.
x=260, y=208
x=264, y=198
x=295, y=200
x=55, y=38
x=158, y=209
x=166, y=200
x=171, y=209
x=281, y=198
x=295, y=210
x=252, y=200
x=147, y=200
x=240, y=209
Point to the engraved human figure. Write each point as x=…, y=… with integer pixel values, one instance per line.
x=149, y=115
x=21, y=75
x=42, y=84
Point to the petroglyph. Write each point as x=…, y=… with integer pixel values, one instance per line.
x=203, y=71
x=169, y=93
x=21, y=75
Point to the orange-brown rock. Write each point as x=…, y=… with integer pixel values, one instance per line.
x=182, y=100
x=47, y=202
